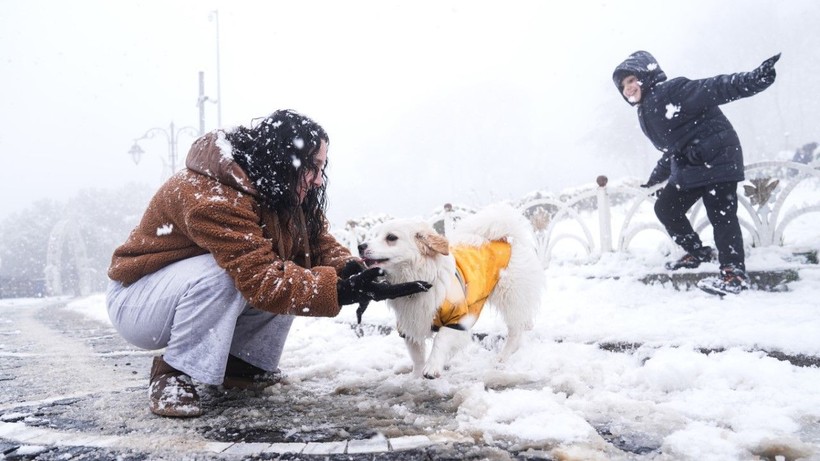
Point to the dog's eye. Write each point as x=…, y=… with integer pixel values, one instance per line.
x=391, y=238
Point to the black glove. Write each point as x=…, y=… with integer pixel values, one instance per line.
x=362, y=288
x=657, y=193
x=360, y=310
x=351, y=290
x=352, y=267
x=765, y=73
x=383, y=290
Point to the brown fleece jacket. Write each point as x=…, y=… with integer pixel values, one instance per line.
x=211, y=207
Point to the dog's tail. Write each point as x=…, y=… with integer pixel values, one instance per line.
x=495, y=222
x=520, y=288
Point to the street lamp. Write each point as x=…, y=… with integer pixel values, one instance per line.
x=171, y=135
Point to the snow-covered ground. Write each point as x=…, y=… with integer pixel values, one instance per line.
x=614, y=368
x=693, y=380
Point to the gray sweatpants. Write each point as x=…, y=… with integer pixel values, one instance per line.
x=193, y=309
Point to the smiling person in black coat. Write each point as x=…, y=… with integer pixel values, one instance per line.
x=702, y=157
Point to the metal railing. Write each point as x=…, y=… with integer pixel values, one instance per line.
x=765, y=209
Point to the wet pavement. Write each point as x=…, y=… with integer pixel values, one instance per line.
x=72, y=389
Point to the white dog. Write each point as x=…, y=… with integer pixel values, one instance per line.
x=490, y=257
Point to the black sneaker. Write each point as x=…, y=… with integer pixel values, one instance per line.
x=731, y=281
x=692, y=260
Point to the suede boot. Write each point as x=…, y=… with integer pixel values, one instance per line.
x=240, y=374
x=171, y=392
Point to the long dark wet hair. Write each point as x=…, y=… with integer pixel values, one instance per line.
x=275, y=153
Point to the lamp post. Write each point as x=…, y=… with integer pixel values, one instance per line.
x=171, y=135
x=214, y=16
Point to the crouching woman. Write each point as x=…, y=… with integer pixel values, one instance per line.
x=228, y=251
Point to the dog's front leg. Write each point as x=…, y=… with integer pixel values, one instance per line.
x=417, y=350
x=511, y=345
x=448, y=341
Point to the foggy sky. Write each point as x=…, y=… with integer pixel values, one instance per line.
x=425, y=102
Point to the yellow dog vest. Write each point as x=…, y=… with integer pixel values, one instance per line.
x=477, y=271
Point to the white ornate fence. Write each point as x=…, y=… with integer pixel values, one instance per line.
x=766, y=208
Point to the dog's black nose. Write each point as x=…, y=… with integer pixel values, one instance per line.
x=362, y=247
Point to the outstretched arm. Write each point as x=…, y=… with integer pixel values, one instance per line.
x=696, y=95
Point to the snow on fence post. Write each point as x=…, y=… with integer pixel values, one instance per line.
x=449, y=220
x=604, y=216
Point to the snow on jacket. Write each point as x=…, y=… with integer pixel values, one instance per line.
x=211, y=207
x=682, y=119
x=477, y=270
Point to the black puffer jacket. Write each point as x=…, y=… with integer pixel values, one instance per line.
x=682, y=119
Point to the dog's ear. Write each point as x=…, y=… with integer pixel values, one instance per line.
x=431, y=243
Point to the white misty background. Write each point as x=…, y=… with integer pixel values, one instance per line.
x=427, y=103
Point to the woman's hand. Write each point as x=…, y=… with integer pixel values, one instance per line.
x=364, y=287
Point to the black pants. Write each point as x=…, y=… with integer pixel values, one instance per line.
x=720, y=202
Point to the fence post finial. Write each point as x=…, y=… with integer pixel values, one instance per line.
x=604, y=218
